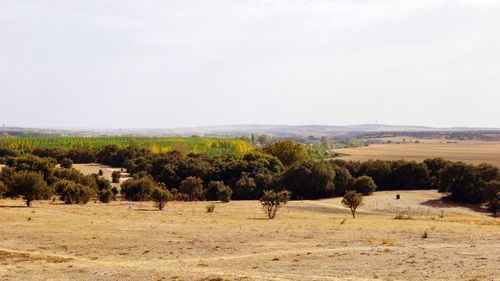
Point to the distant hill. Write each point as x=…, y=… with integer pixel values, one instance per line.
x=240, y=130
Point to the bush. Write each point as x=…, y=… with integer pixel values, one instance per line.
x=161, y=196
x=3, y=189
x=100, y=173
x=105, y=195
x=30, y=185
x=193, y=187
x=210, y=208
x=66, y=163
x=115, y=176
x=365, y=185
x=76, y=193
x=138, y=189
x=352, y=200
x=272, y=201
x=218, y=191
x=114, y=192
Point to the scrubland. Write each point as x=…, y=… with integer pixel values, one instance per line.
x=308, y=240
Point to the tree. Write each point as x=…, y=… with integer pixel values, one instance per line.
x=309, y=180
x=491, y=195
x=288, y=152
x=30, y=185
x=263, y=139
x=161, y=196
x=365, y=185
x=115, y=176
x=462, y=182
x=193, y=187
x=272, y=201
x=66, y=163
x=343, y=180
x=352, y=200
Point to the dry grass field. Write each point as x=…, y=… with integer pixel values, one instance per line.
x=308, y=240
x=474, y=152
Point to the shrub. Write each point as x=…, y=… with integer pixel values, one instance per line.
x=161, y=196
x=179, y=196
x=193, y=187
x=272, y=201
x=114, y=192
x=115, y=176
x=76, y=193
x=218, y=191
x=100, y=172
x=30, y=185
x=66, y=163
x=352, y=200
x=105, y=195
x=210, y=208
x=3, y=189
x=138, y=189
x=365, y=185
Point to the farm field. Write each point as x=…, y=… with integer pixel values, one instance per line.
x=308, y=240
x=156, y=144
x=474, y=152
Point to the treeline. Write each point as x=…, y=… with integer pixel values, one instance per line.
x=279, y=166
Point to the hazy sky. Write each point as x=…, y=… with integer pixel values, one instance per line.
x=160, y=64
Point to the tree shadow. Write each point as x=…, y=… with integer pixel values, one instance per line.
x=9, y=207
x=445, y=203
x=257, y=219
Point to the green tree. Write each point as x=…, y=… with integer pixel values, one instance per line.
x=365, y=185
x=309, y=180
x=352, y=200
x=30, y=185
x=272, y=201
x=462, y=182
x=343, y=180
x=288, y=152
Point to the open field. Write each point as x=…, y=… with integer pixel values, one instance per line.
x=474, y=152
x=309, y=240
x=156, y=144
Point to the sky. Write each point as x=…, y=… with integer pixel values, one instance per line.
x=184, y=63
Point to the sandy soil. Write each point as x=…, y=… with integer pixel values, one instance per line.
x=93, y=168
x=474, y=152
x=309, y=240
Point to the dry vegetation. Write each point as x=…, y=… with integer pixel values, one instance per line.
x=309, y=240
x=474, y=152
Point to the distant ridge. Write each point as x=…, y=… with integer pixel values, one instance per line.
x=240, y=130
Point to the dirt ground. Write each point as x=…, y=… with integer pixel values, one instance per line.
x=93, y=168
x=474, y=152
x=308, y=240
